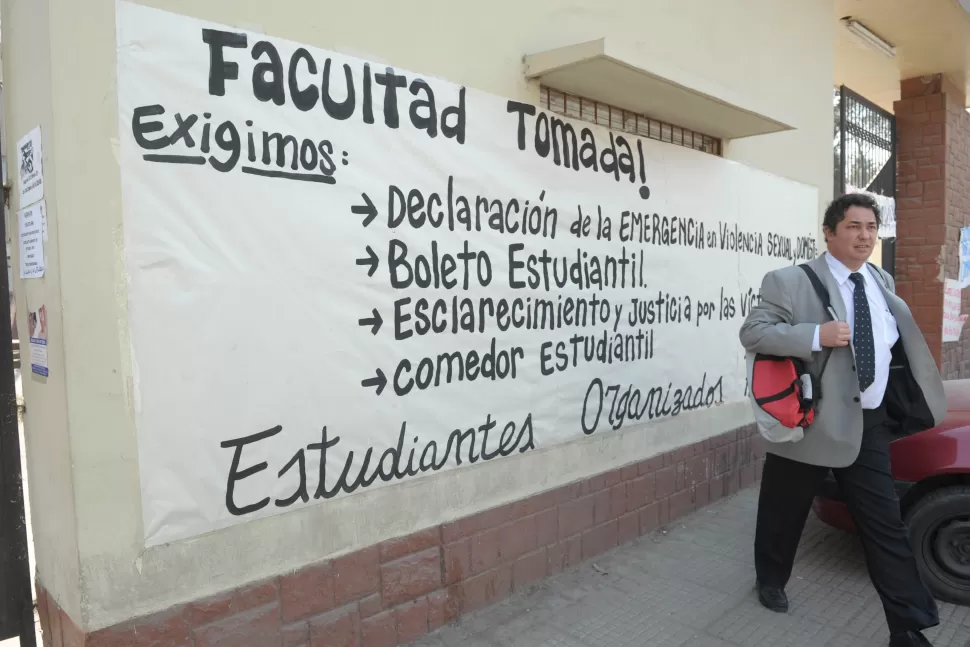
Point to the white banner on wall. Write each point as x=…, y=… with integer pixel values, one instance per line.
x=343, y=275
x=887, y=211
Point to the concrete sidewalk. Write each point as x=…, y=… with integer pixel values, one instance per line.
x=693, y=586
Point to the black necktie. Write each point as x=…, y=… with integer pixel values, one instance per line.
x=865, y=354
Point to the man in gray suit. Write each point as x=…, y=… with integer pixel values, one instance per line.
x=880, y=380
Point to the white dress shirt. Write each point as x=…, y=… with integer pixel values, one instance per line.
x=884, y=330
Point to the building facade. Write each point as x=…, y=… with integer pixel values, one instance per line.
x=216, y=178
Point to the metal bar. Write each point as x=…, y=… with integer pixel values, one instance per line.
x=16, y=602
x=858, y=98
x=889, y=256
x=707, y=143
x=842, y=140
x=892, y=158
x=869, y=137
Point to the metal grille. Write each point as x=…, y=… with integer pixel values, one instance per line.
x=603, y=114
x=865, y=160
x=864, y=141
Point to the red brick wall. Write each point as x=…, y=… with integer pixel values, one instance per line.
x=956, y=355
x=920, y=206
x=932, y=204
x=395, y=592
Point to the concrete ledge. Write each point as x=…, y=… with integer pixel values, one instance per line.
x=397, y=591
x=609, y=71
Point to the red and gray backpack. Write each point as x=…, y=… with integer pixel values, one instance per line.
x=784, y=394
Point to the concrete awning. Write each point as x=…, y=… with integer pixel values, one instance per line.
x=608, y=71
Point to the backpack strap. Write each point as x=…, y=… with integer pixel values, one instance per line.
x=823, y=295
x=878, y=272
x=820, y=290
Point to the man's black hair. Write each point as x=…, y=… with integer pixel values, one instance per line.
x=836, y=211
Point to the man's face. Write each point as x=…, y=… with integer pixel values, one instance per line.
x=854, y=238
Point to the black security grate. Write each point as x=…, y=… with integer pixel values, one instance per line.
x=865, y=157
x=614, y=118
x=865, y=136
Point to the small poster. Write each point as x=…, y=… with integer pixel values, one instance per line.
x=952, y=319
x=37, y=323
x=964, y=257
x=30, y=170
x=32, y=230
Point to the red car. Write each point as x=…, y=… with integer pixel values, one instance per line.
x=932, y=473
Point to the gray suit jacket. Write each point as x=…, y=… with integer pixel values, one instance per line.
x=783, y=324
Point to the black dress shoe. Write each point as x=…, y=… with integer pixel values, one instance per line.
x=774, y=598
x=909, y=639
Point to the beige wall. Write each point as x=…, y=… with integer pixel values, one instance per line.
x=81, y=438
x=28, y=98
x=802, y=38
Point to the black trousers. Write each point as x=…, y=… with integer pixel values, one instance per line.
x=787, y=491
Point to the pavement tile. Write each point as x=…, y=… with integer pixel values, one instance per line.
x=691, y=584
x=749, y=625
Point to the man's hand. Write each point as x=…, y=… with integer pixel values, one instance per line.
x=834, y=334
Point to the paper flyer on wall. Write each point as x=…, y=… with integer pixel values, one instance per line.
x=37, y=323
x=887, y=209
x=30, y=171
x=964, y=277
x=953, y=321
x=32, y=229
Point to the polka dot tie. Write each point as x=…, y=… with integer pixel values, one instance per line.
x=865, y=354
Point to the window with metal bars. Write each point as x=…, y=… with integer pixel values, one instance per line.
x=614, y=118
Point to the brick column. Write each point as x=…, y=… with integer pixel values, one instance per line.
x=932, y=204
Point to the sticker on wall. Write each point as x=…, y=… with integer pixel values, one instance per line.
x=952, y=319
x=37, y=323
x=32, y=234
x=30, y=171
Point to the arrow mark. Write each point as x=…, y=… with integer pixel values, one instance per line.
x=374, y=322
x=371, y=260
x=369, y=211
x=380, y=381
